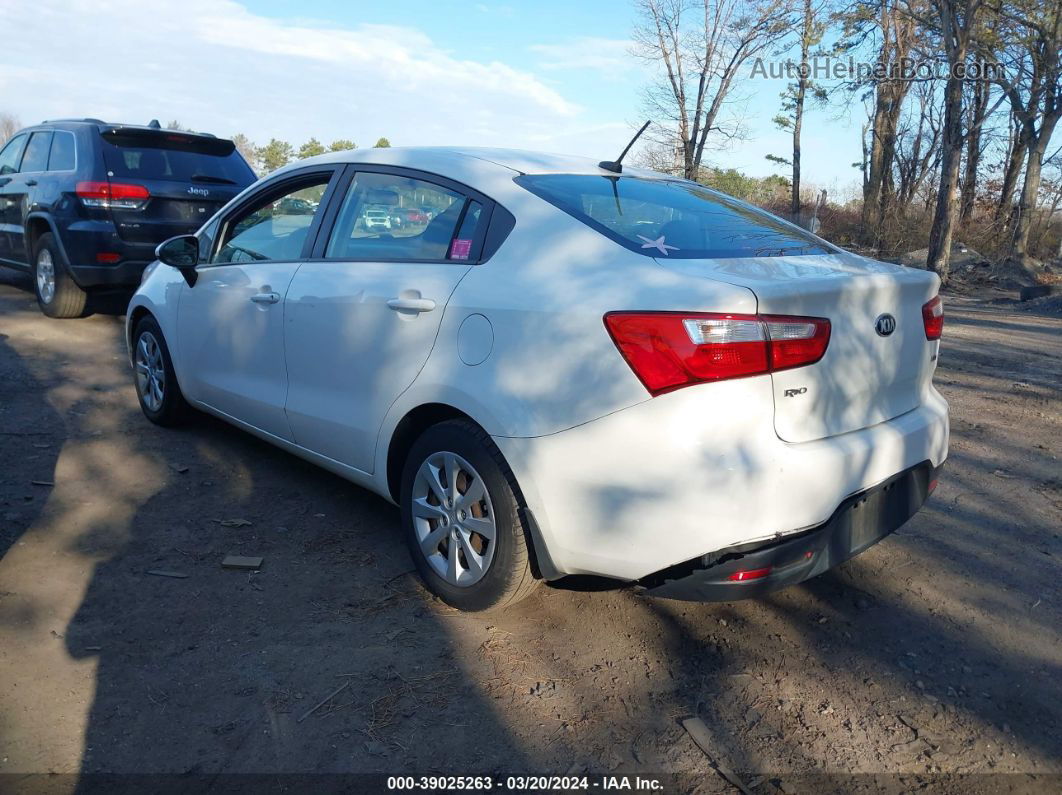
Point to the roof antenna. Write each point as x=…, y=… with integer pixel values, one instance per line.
x=154, y=124
x=616, y=166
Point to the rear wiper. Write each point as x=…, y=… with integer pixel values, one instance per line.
x=215, y=180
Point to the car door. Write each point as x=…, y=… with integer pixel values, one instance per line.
x=19, y=191
x=231, y=322
x=10, y=156
x=363, y=314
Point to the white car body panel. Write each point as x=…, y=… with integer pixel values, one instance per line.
x=350, y=355
x=231, y=348
x=618, y=483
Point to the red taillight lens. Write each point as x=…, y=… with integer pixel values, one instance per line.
x=112, y=195
x=933, y=318
x=668, y=350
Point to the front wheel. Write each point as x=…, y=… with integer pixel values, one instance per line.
x=462, y=519
x=156, y=384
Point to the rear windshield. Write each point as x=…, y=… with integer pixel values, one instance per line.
x=176, y=157
x=671, y=218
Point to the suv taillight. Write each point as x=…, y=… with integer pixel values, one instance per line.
x=669, y=350
x=933, y=318
x=112, y=195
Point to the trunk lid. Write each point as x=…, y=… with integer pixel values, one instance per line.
x=189, y=176
x=866, y=377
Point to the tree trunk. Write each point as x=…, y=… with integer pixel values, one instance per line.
x=939, y=256
x=1015, y=160
x=1031, y=189
x=798, y=106
x=978, y=108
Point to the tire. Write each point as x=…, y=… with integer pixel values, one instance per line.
x=503, y=575
x=160, y=398
x=57, y=294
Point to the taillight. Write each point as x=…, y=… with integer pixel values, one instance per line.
x=668, y=350
x=112, y=195
x=933, y=318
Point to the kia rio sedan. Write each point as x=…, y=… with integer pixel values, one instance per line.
x=557, y=369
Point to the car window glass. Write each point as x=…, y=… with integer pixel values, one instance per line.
x=393, y=217
x=672, y=218
x=35, y=158
x=275, y=229
x=11, y=154
x=461, y=247
x=62, y=155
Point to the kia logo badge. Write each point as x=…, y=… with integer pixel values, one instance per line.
x=885, y=325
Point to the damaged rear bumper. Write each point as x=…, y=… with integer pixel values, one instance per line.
x=754, y=570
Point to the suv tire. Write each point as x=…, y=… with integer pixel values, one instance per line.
x=57, y=294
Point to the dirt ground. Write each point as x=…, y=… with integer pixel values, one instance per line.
x=935, y=654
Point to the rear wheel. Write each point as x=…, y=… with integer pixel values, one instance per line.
x=156, y=384
x=57, y=294
x=462, y=519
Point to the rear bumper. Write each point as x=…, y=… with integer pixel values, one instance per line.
x=700, y=470
x=83, y=240
x=120, y=275
x=859, y=522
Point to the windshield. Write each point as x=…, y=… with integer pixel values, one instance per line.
x=669, y=218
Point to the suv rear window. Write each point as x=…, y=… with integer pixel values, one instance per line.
x=672, y=218
x=150, y=154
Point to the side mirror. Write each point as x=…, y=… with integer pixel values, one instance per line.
x=182, y=253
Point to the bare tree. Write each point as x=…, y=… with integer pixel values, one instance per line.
x=809, y=32
x=1033, y=85
x=9, y=125
x=955, y=22
x=917, y=145
x=1017, y=146
x=895, y=32
x=977, y=113
x=701, y=46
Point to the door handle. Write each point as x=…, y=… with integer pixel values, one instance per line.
x=4, y=181
x=265, y=298
x=31, y=182
x=411, y=304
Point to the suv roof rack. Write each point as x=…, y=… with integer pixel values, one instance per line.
x=86, y=120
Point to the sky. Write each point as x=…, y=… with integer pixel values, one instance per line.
x=553, y=75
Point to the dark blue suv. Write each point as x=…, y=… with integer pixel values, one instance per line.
x=83, y=203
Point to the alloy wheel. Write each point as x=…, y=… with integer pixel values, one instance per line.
x=45, y=276
x=150, y=371
x=453, y=519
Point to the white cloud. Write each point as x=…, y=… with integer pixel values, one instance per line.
x=215, y=66
x=586, y=52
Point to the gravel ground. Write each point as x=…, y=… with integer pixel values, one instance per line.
x=930, y=660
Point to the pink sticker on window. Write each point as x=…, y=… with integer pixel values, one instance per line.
x=460, y=249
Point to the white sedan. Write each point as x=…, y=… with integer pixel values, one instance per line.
x=567, y=370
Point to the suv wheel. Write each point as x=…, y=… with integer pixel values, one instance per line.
x=157, y=389
x=462, y=519
x=57, y=294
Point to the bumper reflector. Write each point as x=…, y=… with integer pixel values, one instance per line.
x=750, y=574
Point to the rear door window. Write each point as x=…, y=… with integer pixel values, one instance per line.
x=165, y=155
x=11, y=154
x=394, y=217
x=672, y=218
x=62, y=156
x=35, y=157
